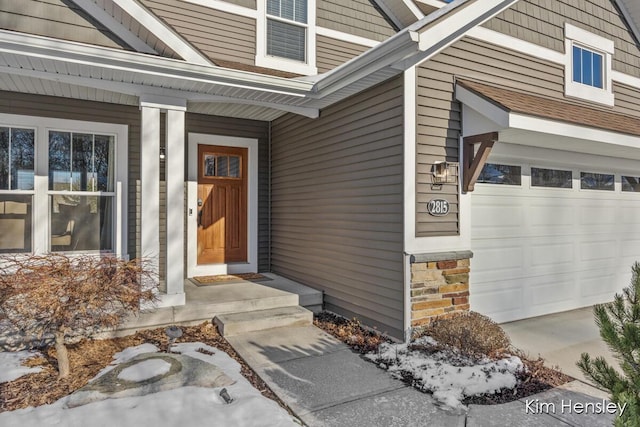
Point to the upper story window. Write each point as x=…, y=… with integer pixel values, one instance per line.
x=287, y=29
x=286, y=36
x=588, y=66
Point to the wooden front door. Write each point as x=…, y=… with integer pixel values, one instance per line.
x=222, y=204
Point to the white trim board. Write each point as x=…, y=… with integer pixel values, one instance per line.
x=251, y=266
x=115, y=26
x=413, y=244
x=162, y=31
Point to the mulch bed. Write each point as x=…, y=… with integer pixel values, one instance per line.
x=88, y=357
x=535, y=379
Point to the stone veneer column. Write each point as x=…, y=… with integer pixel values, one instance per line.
x=439, y=285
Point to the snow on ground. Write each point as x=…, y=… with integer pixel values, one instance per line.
x=11, y=365
x=184, y=407
x=449, y=376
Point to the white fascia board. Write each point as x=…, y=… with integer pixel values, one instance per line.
x=162, y=31
x=79, y=53
x=482, y=106
x=225, y=6
x=469, y=16
x=554, y=127
x=166, y=99
x=433, y=3
x=413, y=8
x=389, y=12
x=106, y=19
x=626, y=79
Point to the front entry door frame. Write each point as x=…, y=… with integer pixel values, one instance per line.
x=251, y=266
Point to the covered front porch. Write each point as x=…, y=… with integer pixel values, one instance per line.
x=205, y=302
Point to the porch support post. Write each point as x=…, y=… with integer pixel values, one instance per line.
x=175, y=180
x=150, y=189
x=474, y=161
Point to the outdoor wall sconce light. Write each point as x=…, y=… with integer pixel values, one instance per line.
x=444, y=173
x=162, y=153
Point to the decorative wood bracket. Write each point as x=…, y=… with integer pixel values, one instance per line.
x=474, y=161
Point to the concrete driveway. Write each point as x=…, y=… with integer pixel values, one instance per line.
x=560, y=338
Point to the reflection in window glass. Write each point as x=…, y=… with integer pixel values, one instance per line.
x=494, y=173
x=587, y=67
x=15, y=223
x=16, y=158
x=81, y=223
x=631, y=183
x=551, y=178
x=596, y=181
x=81, y=162
x=223, y=165
x=234, y=166
x=59, y=161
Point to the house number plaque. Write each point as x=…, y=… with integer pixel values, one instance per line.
x=438, y=207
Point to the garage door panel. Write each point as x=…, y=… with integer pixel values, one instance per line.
x=552, y=254
x=543, y=250
x=599, y=250
x=596, y=286
x=630, y=245
x=548, y=294
x=546, y=214
x=504, y=299
x=601, y=213
x=488, y=215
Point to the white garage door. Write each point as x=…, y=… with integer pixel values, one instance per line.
x=550, y=236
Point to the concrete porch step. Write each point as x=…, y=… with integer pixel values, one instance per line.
x=230, y=324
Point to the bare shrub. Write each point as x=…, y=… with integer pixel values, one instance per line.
x=71, y=295
x=470, y=332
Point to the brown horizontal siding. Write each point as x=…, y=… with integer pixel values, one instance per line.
x=57, y=19
x=357, y=17
x=331, y=52
x=215, y=125
x=337, y=204
x=542, y=22
x=215, y=33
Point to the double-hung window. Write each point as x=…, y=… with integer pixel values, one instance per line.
x=287, y=29
x=588, y=66
x=286, y=35
x=17, y=161
x=61, y=185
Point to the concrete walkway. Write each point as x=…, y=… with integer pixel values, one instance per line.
x=326, y=384
x=560, y=339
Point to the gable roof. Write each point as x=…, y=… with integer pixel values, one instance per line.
x=553, y=109
x=631, y=11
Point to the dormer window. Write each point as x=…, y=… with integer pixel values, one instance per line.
x=588, y=66
x=286, y=35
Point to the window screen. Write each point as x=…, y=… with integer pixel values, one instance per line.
x=286, y=38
